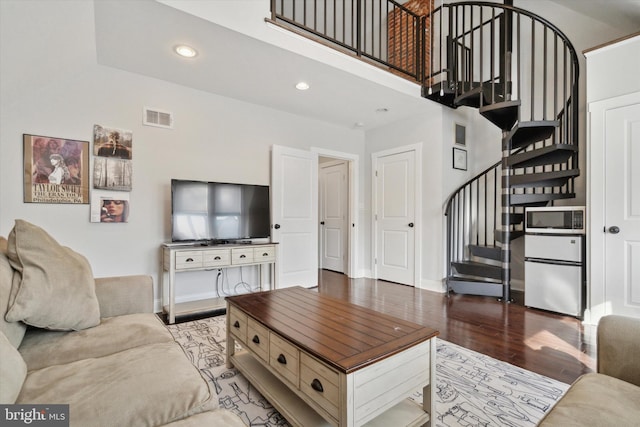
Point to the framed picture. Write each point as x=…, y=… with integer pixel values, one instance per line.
x=56, y=170
x=459, y=158
x=109, y=206
x=460, y=134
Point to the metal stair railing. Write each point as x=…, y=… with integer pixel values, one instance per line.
x=382, y=31
x=483, y=53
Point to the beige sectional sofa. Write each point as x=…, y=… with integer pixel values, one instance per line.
x=610, y=397
x=94, y=344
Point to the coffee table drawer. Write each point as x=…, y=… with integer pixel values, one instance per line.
x=321, y=383
x=258, y=339
x=284, y=358
x=238, y=323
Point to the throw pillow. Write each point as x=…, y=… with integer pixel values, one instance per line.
x=54, y=287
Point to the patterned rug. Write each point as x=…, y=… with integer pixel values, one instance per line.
x=472, y=389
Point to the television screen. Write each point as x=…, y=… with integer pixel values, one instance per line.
x=203, y=211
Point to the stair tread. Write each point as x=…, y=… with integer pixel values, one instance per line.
x=526, y=133
x=486, y=251
x=477, y=269
x=548, y=155
x=543, y=179
x=502, y=114
x=537, y=198
x=459, y=278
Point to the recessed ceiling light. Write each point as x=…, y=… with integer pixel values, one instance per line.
x=359, y=124
x=185, y=51
x=302, y=86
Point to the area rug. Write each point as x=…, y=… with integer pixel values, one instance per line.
x=471, y=389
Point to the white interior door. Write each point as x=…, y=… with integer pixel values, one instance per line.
x=395, y=217
x=334, y=216
x=294, y=212
x=622, y=210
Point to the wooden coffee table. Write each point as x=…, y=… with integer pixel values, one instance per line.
x=324, y=361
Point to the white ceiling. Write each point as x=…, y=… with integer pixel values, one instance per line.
x=139, y=37
x=612, y=12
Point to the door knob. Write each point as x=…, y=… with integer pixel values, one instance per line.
x=276, y=226
x=411, y=225
x=614, y=229
x=321, y=222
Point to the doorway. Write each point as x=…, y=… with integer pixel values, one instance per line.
x=337, y=202
x=334, y=214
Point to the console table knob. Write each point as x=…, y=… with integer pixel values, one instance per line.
x=317, y=385
x=282, y=359
x=236, y=324
x=256, y=339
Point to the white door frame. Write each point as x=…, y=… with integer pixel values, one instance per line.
x=417, y=148
x=354, y=196
x=596, y=300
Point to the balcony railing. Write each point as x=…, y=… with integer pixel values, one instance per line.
x=382, y=31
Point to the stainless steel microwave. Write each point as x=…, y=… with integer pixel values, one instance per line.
x=555, y=220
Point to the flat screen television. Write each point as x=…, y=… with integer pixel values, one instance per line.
x=218, y=212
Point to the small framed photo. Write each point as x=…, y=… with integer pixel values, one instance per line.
x=109, y=206
x=459, y=159
x=460, y=134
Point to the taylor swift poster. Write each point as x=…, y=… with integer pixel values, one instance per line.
x=56, y=170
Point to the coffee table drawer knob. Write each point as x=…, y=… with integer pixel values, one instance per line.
x=317, y=385
x=282, y=359
x=256, y=339
x=236, y=324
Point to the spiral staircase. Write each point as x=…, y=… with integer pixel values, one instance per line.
x=521, y=73
x=516, y=68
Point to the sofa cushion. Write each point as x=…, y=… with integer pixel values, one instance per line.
x=596, y=400
x=55, y=289
x=149, y=385
x=13, y=371
x=41, y=348
x=13, y=330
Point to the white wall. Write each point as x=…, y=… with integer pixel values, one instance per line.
x=52, y=86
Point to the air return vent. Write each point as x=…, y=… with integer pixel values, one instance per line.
x=158, y=118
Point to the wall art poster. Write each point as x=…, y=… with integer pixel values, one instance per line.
x=112, y=174
x=56, y=170
x=108, y=142
x=109, y=206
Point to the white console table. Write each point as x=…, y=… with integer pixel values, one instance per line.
x=180, y=258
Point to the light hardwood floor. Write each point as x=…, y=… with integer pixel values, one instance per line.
x=553, y=345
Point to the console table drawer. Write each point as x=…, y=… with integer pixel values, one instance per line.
x=264, y=254
x=216, y=258
x=258, y=339
x=284, y=358
x=186, y=260
x=321, y=384
x=242, y=256
x=238, y=323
